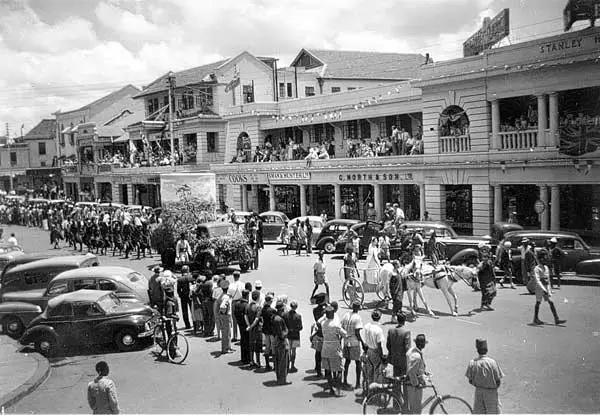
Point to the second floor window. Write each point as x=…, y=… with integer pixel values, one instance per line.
x=318, y=129
x=212, y=139
x=351, y=130
x=13, y=159
x=282, y=89
x=248, y=91
x=289, y=90
x=187, y=100
x=365, y=129
x=205, y=97
x=72, y=139
x=309, y=91
x=335, y=89
x=42, y=149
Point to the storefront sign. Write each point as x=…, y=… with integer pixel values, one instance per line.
x=241, y=178
x=274, y=177
x=375, y=177
x=492, y=32
x=589, y=42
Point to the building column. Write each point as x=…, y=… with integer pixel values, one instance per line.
x=422, y=200
x=131, y=194
x=361, y=205
x=542, y=120
x=337, y=200
x=271, y=197
x=497, y=203
x=555, y=207
x=377, y=201
x=544, y=216
x=11, y=183
x=435, y=198
x=496, y=144
x=482, y=203
x=552, y=140
x=302, y=200
x=244, y=197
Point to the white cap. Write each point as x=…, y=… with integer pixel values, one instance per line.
x=554, y=240
x=258, y=284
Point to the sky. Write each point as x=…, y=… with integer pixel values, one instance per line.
x=63, y=54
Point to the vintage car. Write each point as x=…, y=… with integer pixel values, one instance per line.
x=575, y=248
x=211, y=258
x=316, y=222
x=273, y=222
x=342, y=240
x=589, y=268
x=455, y=248
x=36, y=274
x=87, y=318
x=499, y=229
x=12, y=259
x=126, y=283
x=330, y=233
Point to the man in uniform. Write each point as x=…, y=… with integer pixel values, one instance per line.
x=484, y=373
x=415, y=370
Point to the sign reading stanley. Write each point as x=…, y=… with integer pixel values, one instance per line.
x=492, y=32
x=291, y=175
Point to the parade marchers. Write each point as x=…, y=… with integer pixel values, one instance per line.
x=100, y=229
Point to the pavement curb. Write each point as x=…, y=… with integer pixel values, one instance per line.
x=41, y=374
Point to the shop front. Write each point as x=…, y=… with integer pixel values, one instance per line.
x=320, y=198
x=580, y=210
x=518, y=205
x=407, y=196
x=459, y=208
x=287, y=199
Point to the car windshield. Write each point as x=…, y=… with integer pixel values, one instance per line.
x=108, y=302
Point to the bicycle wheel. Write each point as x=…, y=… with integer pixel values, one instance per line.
x=381, y=402
x=178, y=348
x=159, y=340
x=352, y=291
x=451, y=405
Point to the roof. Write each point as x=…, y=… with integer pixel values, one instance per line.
x=44, y=130
x=90, y=272
x=68, y=260
x=340, y=64
x=182, y=78
x=89, y=296
x=126, y=89
x=533, y=233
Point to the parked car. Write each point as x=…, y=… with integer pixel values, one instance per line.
x=16, y=311
x=589, y=268
x=330, y=233
x=12, y=259
x=575, y=248
x=499, y=229
x=316, y=222
x=215, y=258
x=457, y=249
x=37, y=274
x=342, y=240
x=272, y=221
x=90, y=317
x=137, y=210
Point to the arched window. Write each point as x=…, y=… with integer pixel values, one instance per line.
x=453, y=122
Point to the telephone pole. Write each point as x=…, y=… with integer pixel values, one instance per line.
x=171, y=81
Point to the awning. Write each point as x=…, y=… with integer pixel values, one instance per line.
x=66, y=130
x=123, y=138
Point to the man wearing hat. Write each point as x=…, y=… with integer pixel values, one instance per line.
x=331, y=353
x=235, y=292
x=505, y=263
x=528, y=260
x=293, y=321
x=556, y=256
x=485, y=374
x=225, y=310
x=281, y=345
x=415, y=370
x=352, y=324
x=258, y=287
x=155, y=292
x=372, y=336
x=183, y=291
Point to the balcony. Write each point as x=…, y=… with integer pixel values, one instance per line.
x=519, y=140
x=455, y=144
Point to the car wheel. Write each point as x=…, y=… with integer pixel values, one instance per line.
x=329, y=247
x=126, y=340
x=13, y=326
x=244, y=266
x=45, y=345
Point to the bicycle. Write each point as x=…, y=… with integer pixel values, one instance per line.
x=176, y=345
x=382, y=398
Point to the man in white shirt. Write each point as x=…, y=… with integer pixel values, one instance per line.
x=13, y=240
x=399, y=214
x=224, y=316
x=352, y=323
x=373, y=338
x=235, y=292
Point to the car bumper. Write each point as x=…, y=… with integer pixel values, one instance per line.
x=146, y=333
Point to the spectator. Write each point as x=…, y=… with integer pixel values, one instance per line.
x=102, y=392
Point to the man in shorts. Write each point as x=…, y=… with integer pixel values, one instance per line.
x=320, y=275
x=352, y=324
x=293, y=320
x=331, y=353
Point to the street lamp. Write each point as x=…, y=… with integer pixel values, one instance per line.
x=171, y=81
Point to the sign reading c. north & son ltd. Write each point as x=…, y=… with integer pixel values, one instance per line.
x=368, y=178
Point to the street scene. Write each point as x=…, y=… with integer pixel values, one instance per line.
x=388, y=208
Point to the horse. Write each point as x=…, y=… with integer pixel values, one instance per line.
x=441, y=277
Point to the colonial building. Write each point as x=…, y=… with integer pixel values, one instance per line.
x=43, y=173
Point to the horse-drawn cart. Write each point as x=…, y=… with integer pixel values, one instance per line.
x=359, y=281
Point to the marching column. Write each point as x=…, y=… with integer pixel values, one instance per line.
x=377, y=196
x=271, y=197
x=497, y=203
x=302, y=200
x=338, y=200
x=555, y=207
x=544, y=214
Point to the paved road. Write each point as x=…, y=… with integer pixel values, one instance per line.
x=548, y=369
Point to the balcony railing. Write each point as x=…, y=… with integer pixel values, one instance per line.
x=518, y=140
x=455, y=144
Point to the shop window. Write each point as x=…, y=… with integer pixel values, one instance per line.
x=190, y=147
x=248, y=91
x=289, y=90
x=459, y=205
x=309, y=91
x=335, y=89
x=13, y=158
x=453, y=122
x=42, y=149
x=212, y=139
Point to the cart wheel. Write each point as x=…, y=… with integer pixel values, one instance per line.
x=381, y=291
x=352, y=290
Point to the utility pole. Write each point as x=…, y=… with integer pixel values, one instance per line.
x=171, y=81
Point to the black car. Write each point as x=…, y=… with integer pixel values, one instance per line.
x=90, y=317
x=330, y=233
x=342, y=240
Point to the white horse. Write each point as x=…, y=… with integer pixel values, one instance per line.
x=441, y=277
